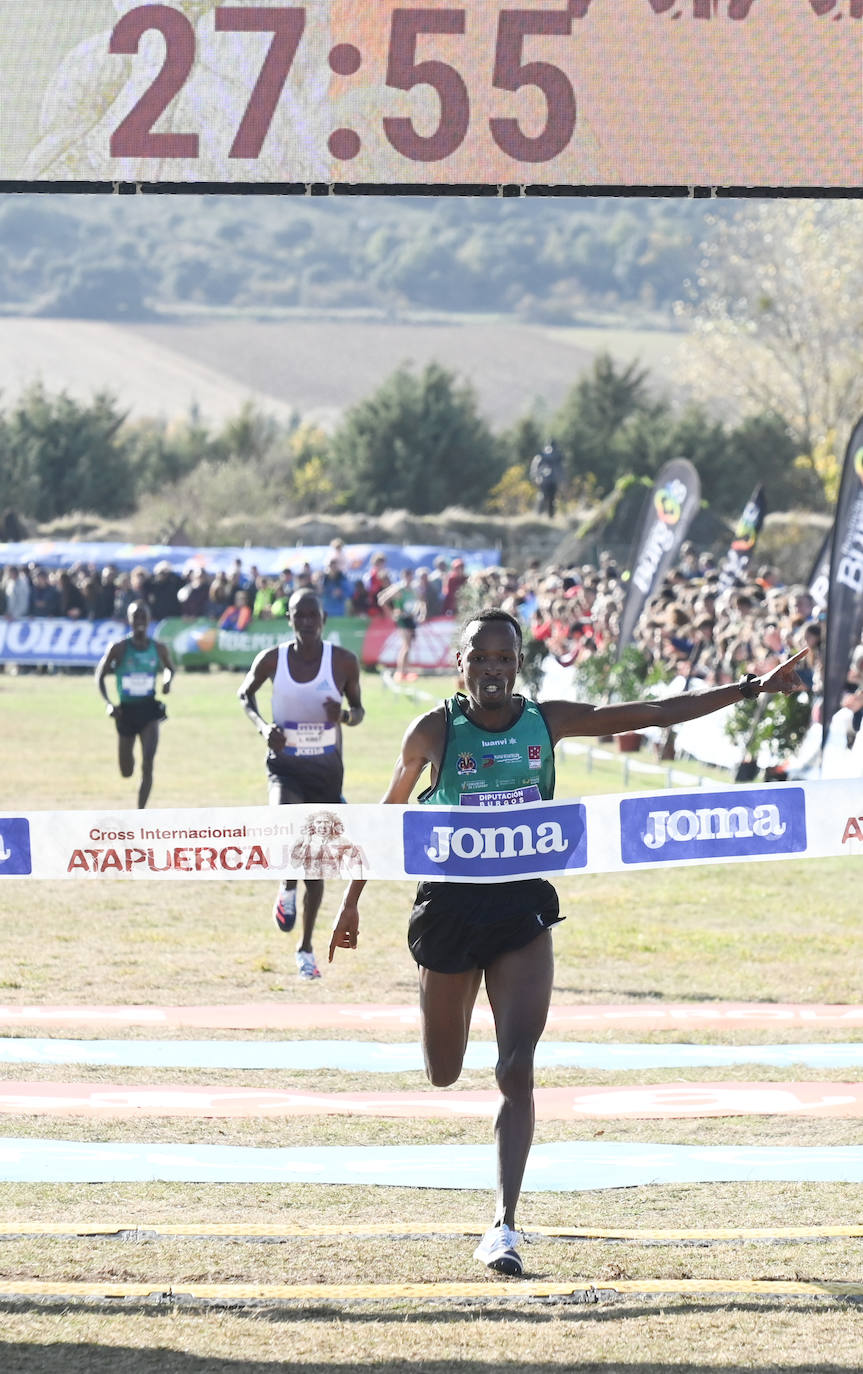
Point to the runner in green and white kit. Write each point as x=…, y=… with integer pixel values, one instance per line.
x=486, y=747
x=136, y=661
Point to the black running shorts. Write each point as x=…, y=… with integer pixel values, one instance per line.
x=314, y=791
x=455, y=927
x=132, y=716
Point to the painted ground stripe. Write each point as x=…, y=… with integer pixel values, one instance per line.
x=641, y=1102
x=374, y=1056
x=491, y=1290
x=287, y=1016
x=563, y=1167
x=409, y=1230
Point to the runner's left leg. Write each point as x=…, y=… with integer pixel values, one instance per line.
x=312, y=898
x=519, y=991
x=149, y=745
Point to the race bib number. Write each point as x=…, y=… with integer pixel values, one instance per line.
x=306, y=739
x=138, y=684
x=513, y=798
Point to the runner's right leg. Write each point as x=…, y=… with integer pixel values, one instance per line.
x=149, y=745
x=446, y=1007
x=281, y=793
x=126, y=755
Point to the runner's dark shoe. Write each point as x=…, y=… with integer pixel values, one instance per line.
x=285, y=910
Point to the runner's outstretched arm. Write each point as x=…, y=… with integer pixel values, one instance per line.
x=567, y=718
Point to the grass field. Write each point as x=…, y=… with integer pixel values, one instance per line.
x=777, y=932
x=316, y=367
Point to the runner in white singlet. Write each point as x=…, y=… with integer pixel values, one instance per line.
x=309, y=677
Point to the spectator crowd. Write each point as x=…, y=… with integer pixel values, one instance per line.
x=231, y=598
x=695, y=626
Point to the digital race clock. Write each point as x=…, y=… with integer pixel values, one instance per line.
x=565, y=92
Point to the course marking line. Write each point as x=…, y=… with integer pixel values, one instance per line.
x=373, y=1056
x=288, y=1016
x=489, y=1291
x=44, y=1097
x=410, y=1229
x=564, y=1167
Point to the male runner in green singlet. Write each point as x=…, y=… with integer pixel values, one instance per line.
x=136, y=661
x=492, y=747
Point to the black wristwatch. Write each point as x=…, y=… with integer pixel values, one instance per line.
x=749, y=686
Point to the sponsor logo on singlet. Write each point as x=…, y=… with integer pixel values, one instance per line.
x=713, y=826
x=514, y=797
x=465, y=764
x=307, y=739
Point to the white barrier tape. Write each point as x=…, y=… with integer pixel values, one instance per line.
x=602, y=834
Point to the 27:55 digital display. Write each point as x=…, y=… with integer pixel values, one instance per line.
x=591, y=93
x=135, y=137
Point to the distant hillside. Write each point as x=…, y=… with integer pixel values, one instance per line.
x=312, y=368
x=550, y=260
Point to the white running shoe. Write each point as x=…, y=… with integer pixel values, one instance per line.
x=307, y=965
x=497, y=1251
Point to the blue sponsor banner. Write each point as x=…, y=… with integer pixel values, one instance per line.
x=14, y=847
x=65, y=553
x=454, y=844
x=719, y=825
x=59, y=642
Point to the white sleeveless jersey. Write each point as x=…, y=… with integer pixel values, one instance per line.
x=298, y=707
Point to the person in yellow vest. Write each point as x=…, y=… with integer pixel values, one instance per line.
x=136, y=662
x=488, y=746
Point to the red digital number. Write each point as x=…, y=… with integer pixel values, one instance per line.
x=511, y=73
x=404, y=72
x=135, y=137
x=706, y=9
x=822, y=7
x=286, y=26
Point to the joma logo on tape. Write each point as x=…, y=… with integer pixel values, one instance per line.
x=718, y=825
x=544, y=840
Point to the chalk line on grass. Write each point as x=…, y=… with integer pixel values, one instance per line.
x=572, y=1166
x=491, y=1290
x=641, y=1015
x=366, y=1056
x=639, y=1102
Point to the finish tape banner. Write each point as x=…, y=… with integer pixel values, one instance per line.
x=471, y=843
x=558, y=92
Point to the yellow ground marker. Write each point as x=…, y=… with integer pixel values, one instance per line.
x=491, y=1290
x=282, y=1230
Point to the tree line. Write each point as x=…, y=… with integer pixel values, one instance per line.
x=131, y=258
x=419, y=443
